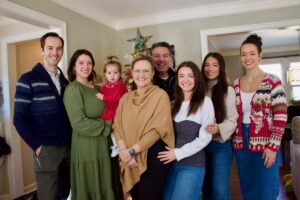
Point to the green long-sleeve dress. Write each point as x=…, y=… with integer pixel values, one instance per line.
x=90, y=162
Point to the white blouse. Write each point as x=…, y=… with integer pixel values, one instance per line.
x=246, y=105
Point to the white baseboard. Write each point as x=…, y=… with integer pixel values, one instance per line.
x=29, y=188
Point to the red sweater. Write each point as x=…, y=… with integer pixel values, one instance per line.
x=112, y=94
x=267, y=118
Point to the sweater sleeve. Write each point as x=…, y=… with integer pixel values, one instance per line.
x=228, y=126
x=81, y=124
x=279, y=109
x=207, y=117
x=22, y=118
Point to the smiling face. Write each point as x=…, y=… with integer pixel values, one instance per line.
x=162, y=59
x=83, y=67
x=250, y=57
x=52, y=51
x=186, y=80
x=142, y=74
x=211, y=68
x=112, y=73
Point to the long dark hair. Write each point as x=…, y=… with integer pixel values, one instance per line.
x=198, y=90
x=219, y=91
x=72, y=63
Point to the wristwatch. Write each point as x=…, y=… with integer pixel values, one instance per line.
x=132, y=152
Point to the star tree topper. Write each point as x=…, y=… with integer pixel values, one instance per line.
x=139, y=44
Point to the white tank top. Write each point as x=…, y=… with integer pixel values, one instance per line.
x=246, y=105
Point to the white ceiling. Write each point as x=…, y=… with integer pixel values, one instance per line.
x=134, y=8
x=6, y=21
x=120, y=14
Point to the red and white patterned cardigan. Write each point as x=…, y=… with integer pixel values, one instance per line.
x=267, y=118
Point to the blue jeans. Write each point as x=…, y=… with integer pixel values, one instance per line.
x=184, y=183
x=256, y=181
x=218, y=167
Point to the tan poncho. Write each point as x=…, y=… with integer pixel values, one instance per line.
x=143, y=120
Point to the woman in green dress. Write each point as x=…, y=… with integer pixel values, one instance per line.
x=91, y=177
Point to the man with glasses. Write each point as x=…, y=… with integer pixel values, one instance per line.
x=164, y=74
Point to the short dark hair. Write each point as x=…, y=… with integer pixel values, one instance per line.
x=161, y=44
x=72, y=63
x=50, y=34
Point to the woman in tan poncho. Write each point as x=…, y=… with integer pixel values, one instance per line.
x=143, y=127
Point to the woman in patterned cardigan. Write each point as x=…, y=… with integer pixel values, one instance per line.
x=261, y=104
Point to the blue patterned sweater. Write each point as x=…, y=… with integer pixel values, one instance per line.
x=39, y=114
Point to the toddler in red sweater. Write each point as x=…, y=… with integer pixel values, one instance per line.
x=111, y=92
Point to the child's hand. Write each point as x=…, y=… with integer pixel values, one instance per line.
x=99, y=96
x=100, y=84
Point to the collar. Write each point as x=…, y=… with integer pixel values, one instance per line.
x=54, y=75
x=171, y=73
x=212, y=83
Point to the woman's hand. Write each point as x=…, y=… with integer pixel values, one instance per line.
x=269, y=157
x=212, y=128
x=132, y=163
x=167, y=156
x=100, y=96
x=125, y=156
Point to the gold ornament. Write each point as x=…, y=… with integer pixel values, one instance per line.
x=139, y=44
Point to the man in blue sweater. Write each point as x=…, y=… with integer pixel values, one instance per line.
x=41, y=120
